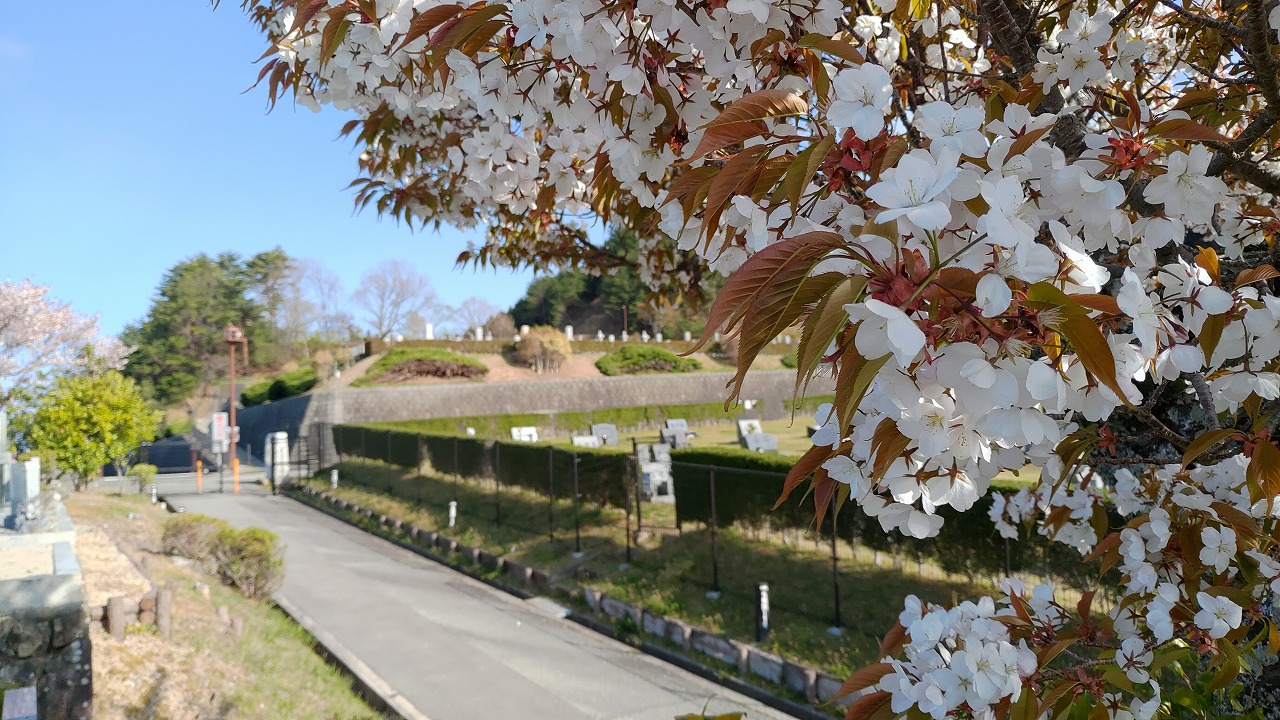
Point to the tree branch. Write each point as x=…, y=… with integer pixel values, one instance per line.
x=1206, y=400
x=1221, y=26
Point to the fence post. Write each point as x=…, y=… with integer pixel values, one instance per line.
x=577, y=508
x=835, y=576
x=551, y=494
x=715, y=531
x=497, y=483
x=626, y=509
x=636, y=479
x=456, y=474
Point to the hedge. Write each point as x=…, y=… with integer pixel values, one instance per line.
x=602, y=473
x=499, y=426
x=748, y=485
x=285, y=385
x=640, y=359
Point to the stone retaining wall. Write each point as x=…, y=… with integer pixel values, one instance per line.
x=297, y=415
x=44, y=632
x=749, y=661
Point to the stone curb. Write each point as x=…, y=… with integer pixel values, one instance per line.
x=376, y=691
x=746, y=659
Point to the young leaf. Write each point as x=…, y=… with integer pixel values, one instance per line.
x=1204, y=443
x=761, y=104
x=1184, y=129
x=810, y=461
x=864, y=678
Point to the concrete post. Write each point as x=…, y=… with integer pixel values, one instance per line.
x=115, y=617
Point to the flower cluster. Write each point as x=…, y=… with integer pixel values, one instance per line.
x=1005, y=233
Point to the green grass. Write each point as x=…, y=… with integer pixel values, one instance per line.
x=670, y=572
x=399, y=355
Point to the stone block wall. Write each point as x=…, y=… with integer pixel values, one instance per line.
x=44, y=642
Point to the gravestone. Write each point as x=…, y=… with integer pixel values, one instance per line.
x=488, y=336
x=678, y=425
x=658, y=337
x=611, y=338
x=600, y=336
x=607, y=432
x=430, y=332
x=524, y=329
x=760, y=442
x=662, y=453
x=568, y=333
x=20, y=704
x=675, y=438
x=479, y=332
x=524, y=434
x=586, y=441
x=688, y=336
x=655, y=481
x=24, y=486
x=746, y=426
x=624, y=336
x=644, y=336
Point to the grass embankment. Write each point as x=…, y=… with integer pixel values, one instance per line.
x=401, y=364
x=671, y=573
x=270, y=671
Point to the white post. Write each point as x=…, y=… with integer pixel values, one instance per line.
x=524, y=329
x=333, y=479
x=430, y=332
x=568, y=333
x=479, y=332
x=688, y=336
x=453, y=512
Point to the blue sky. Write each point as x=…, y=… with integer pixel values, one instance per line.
x=129, y=144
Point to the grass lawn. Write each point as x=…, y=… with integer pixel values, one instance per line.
x=400, y=355
x=670, y=572
x=271, y=671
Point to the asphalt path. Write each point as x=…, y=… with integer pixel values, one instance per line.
x=451, y=647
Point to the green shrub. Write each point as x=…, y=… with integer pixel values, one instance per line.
x=146, y=474
x=293, y=383
x=192, y=537
x=789, y=359
x=256, y=394
x=285, y=385
x=181, y=427
x=250, y=560
x=405, y=363
x=637, y=359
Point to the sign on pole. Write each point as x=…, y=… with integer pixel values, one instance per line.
x=220, y=433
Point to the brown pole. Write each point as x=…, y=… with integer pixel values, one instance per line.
x=235, y=464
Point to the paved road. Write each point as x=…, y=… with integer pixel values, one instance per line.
x=455, y=648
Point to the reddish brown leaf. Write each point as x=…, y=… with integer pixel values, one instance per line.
x=427, y=21
x=761, y=104
x=863, y=678
x=873, y=706
x=810, y=461
x=1184, y=129
x=1258, y=274
x=1207, y=258
x=722, y=136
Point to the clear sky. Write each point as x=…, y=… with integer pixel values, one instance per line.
x=127, y=143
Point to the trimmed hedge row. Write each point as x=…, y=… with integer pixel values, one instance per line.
x=748, y=485
x=602, y=473
x=499, y=426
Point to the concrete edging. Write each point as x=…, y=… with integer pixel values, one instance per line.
x=369, y=684
x=744, y=653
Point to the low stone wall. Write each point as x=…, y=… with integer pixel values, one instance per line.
x=749, y=661
x=44, y=632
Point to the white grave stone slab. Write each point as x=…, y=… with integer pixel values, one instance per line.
x=20, y=704
x=430, y=332
x=600, y=336
x=688, y=336
x=586, y=441
x=568, y=333
x=607, y=432
x=524, y=434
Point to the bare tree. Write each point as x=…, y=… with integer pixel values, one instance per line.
x=389, y=292
x=298, y=313
x=473, y=313
x=324, y=288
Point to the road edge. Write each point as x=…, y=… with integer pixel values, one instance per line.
x=376, y=691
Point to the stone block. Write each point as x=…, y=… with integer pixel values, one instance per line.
x=679, y=632
x=826, y=687
x=539, y=578
x=472, y=554
x=799, y=678
x=653, y=624
x=764, y=665
x=517, y=571
x=487, y=559
x=718, y=647
x=592, y=597
x=614, y=608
